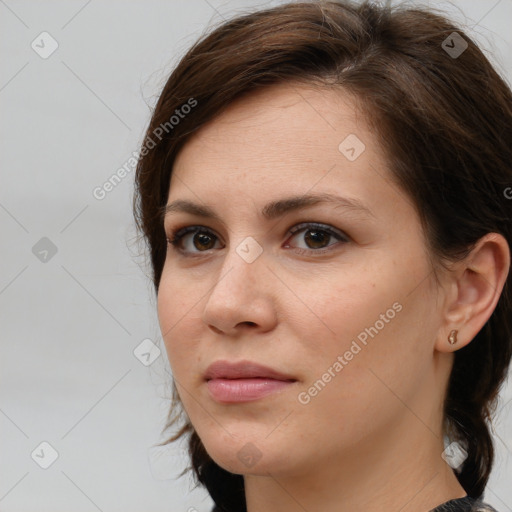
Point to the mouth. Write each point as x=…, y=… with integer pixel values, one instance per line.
x=244, y=381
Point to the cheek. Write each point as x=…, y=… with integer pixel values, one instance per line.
x=379, y=356
x=370, y=322
x=177, y=318
x=350, y=300
x=358, y=387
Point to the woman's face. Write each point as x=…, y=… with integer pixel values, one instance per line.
x=345, y=307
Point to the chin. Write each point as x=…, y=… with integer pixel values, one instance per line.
x=251, y=455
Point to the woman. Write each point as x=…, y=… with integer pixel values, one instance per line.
x=324, y=188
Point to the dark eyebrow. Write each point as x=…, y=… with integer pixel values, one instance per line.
x=271, y=210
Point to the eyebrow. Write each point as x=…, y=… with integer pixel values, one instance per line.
x=273, y=209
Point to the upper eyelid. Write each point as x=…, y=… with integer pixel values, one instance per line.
x=298, y=225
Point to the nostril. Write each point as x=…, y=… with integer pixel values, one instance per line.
x=247, y=324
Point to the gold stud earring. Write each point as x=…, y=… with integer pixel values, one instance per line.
x=452, y=338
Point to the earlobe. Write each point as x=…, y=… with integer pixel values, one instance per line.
x=477, y=283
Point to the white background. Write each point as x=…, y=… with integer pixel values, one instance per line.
x=69, y=326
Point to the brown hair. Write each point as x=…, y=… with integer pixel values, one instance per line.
x=445, y=123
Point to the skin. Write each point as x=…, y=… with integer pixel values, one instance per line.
x=371, y=439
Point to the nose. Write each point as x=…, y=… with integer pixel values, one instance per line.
x=241, y=296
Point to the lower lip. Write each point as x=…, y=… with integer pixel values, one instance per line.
x=244, y=390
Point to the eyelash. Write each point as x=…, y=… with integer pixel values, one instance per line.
x=177, y=235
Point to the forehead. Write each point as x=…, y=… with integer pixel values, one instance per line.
x=287, y=123
x=285, y=140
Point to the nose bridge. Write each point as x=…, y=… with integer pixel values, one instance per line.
x=239, y=295
x=242, y=266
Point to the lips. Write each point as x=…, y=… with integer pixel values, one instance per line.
x=244, y=370
x=244, y=381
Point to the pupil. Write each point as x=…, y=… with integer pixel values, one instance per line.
x=318, y=235
x=203, y=239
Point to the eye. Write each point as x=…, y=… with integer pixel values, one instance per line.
x=316, y=236
x=203, y=239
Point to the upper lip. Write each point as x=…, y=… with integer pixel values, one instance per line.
x=242, y=370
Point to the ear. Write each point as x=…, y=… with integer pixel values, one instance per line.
x=472, y=289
